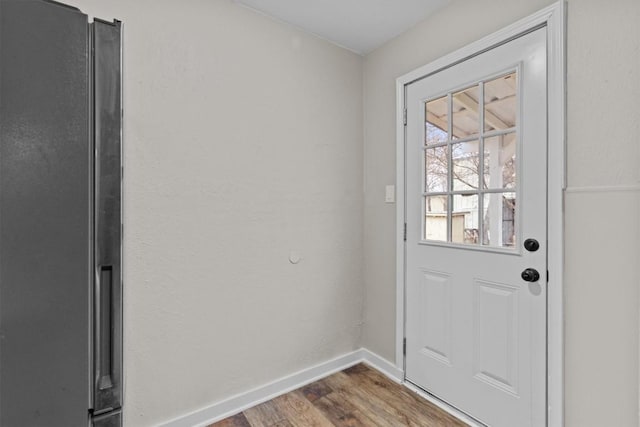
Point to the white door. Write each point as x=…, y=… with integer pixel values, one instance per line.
x=476, y=167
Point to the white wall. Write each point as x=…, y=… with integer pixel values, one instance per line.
x=602, y=235
x=243, y=141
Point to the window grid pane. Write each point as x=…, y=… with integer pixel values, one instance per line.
x=436, y=169
x=435, y=226
x=437, y=121
x=465, y=158
x=499, y=219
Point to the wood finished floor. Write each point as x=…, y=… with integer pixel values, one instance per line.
x=357, y=396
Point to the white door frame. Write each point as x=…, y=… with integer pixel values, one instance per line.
x=553, y=18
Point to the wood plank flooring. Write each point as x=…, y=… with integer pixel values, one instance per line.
x=356, y=397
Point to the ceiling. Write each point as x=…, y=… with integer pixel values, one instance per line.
x=358, y=25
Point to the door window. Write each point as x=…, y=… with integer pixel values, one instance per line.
x=470, y=150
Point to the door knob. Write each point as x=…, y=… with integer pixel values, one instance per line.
x=531, y=245
x=530, y=275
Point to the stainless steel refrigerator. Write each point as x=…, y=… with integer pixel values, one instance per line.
x=60, y=217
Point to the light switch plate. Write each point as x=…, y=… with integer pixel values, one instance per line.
x=390, y=194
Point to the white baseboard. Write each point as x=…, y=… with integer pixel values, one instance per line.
x=240, y=402
x=383, y=365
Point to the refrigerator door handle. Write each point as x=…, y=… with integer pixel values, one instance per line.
x=107, y=352
x=107, y=369
x=104, y=312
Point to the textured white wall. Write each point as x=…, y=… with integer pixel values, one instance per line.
x=243, y=141
x=602, y=236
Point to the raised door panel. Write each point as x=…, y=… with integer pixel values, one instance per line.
x=435, y=318
x=495, y=318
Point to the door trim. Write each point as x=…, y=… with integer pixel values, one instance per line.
x=553, y=18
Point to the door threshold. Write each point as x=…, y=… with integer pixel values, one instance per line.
x=472, y=422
